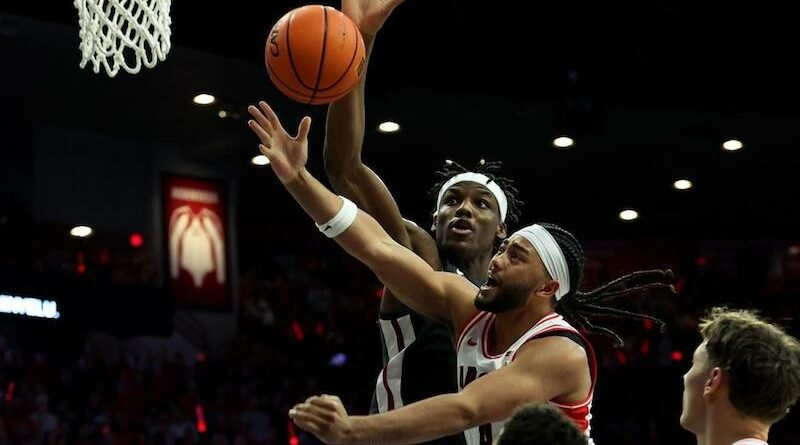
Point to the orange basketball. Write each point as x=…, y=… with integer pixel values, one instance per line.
x=315, y=54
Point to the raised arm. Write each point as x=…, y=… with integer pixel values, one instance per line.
x=556, y=368
x=344, y=132
x=438, y=295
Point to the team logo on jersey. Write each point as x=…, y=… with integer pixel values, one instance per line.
x=472, y=342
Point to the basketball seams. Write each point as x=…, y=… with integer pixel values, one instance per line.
x=352, y=58
x=286, y=74
x=289, y=52
x=304, y=96
x=322, y=55
x=274, y=76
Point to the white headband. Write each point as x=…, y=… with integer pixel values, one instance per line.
x=550, y=253
x=480, y=178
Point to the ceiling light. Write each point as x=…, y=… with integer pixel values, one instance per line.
x=388, y=127
x=222, y=114
x=81, y=231
x=628, y=215
x=732, y=145
x=204, y=99
x=260, y=160
x=682, y=184
x=563, y=142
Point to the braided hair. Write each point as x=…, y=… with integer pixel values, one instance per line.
x=490, y=170
x=581, y=307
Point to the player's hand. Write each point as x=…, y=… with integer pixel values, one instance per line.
x=286, y=154
x=325, y=417
x=369, y=15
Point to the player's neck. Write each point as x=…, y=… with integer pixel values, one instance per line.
x=728, y=426
x=511, y=325
x=475, y=267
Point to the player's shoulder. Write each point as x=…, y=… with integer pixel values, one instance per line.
x=555, y=351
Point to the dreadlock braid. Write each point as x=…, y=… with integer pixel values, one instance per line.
x=580, y=307
x=491, y=170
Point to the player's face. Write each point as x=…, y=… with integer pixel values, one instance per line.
x=694, y=382
x=515, y=273
x=468, y=222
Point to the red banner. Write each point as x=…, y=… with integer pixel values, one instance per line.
x=196, y=238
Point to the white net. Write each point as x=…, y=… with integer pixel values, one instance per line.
x=123, y=33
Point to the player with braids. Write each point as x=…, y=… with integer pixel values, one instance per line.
x=513, y=347
x=579, y=306
x=418, y=356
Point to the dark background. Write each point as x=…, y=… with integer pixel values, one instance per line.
x=648, y=90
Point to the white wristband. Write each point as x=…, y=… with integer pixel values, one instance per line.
x=341, y=221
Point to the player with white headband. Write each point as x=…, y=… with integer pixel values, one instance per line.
x=418, y=356
x=514, y=346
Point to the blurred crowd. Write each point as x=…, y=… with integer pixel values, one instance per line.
x=307, y=325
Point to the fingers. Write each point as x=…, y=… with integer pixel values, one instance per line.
x=263, y=136
x=313, y=415
x=302, y=130
x=306, y=421
x=261, y=119
x=326, y=409
x=270, y=115
x=394, y=3
x=322, y=405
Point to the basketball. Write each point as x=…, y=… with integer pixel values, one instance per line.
x=314, y=54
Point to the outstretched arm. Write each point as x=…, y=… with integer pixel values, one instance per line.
x=438, y=295
x=344, y=132
x=558, y=367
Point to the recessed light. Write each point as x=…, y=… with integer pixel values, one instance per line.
x=260, y=160
x=388, y=127
x=204, y=99
x=732, y=145
x=628, y=215
x=563, y=142
x=682, y=184
x=81, y=231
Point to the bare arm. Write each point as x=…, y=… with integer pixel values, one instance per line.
x=436, y=294
x=344, y=139
x=557, y=367
x=344, y=132
x=424, y=245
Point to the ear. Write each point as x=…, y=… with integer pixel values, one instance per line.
x=713, y=384
x=502, y=231
x=433, y=220
x=549, y=290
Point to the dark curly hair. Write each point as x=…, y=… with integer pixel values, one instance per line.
x=540, y=424
x=580, y=306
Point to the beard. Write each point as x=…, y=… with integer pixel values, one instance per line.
x=506, y=297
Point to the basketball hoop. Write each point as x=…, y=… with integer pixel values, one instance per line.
x=123, y=33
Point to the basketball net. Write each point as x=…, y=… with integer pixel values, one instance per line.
x=123, y=33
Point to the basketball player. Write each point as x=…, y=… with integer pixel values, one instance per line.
x=539, y=424
x=744, y=377
x=418, y=355
x=512, y=349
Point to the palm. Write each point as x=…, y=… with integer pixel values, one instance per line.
x=287, y=154
x=369, y=15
